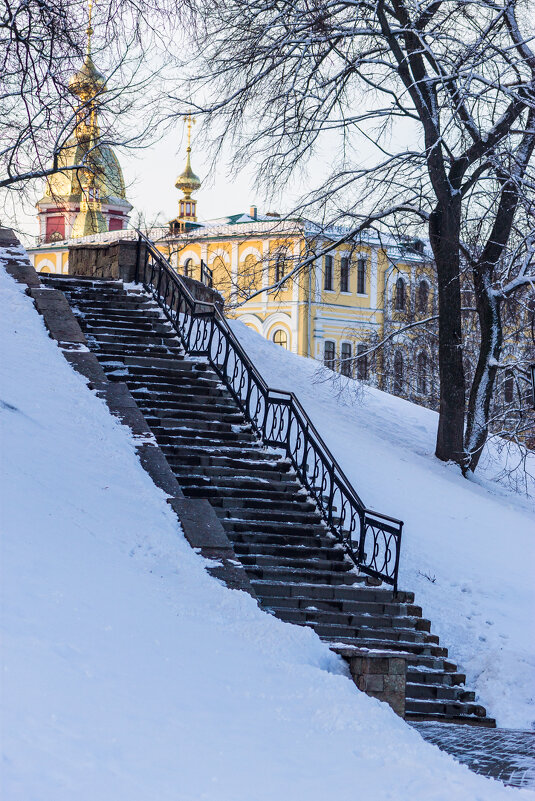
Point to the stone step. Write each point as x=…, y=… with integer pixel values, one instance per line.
x=114, y=338
x=415, y=648
x=326, y=592
x=447, y=708
x=430, y=692
x=267, y=516
x=225, y=452
x=200, y=461
x=63, y=282
x=239, y=481
x=415, y=676
x=280, y=527
x=119, y=350
x=348, y=608
x=147, y=389
x=254, y=548
x=216, y=492
x=244, y=469
x=313, y=616
x=279, y=560
x=293, y=505
x=192, y=422
x=160, y=416
x=269, y=539
x=306, y=576
x=456, y=719
x=192, y=436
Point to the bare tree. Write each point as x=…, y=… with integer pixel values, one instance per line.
x=444, y=92
x=41, y=46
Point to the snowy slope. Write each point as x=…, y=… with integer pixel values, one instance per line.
x=129, y=673
x=476, y=540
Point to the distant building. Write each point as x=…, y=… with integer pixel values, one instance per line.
x=338, y=310
x=88, y=200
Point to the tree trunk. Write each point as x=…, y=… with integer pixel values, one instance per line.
x=488, y=309
x=444, y=232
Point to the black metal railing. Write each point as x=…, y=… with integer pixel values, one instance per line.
x=371, y=539
x=207, y=275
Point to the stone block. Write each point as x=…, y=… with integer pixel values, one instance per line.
x=157, y=466
x=381, y=676
x=374, y=683
x=57, y=314
x=89, y=366
x=202, y=528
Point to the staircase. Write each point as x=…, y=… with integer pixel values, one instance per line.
x=298, y=569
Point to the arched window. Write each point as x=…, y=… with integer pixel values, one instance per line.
x=362, y=362
x=399, y=303
x=329, y=353
x=508, y=387
x=421, y=378
x=423, y=297
x=398, y=373
x=280, y=337
x=188, y=268
x=346, y=365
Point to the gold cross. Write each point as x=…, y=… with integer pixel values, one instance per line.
x=189, y=120
x=89, y=30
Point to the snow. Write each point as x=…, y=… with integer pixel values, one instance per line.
x=130, y=673
x=474, y=538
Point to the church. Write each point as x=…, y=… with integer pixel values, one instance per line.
x=336, y=309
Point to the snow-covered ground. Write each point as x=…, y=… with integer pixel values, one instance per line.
x=468, y=549
x=129, y=673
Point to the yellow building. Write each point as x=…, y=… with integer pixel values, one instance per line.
x=348, y=297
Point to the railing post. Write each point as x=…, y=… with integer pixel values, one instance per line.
x=136, y=274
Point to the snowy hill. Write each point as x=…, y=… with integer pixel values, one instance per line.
x=129, y=673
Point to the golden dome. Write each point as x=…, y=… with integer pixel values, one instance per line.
x=108, y=176
x=88, y=81
x=188, y=182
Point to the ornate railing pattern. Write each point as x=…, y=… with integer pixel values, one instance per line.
x=371, y=539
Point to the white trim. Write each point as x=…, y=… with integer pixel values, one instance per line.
x=250, y=251
x=220, y=253
x=252, y=320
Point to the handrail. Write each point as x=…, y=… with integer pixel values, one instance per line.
x=371, y=539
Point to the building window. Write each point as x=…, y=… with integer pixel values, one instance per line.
x=399, y=303
x=280, y=268
x=329, y=354
x=508, y=387
x=346, y=366
x=280, y=337
x=361, y=277
x=116, y=224
x=55, y=225
x=344, y=275
x=362, y=362
x=188, y=268
x=398, y=373
x=423, y=297
x=422, y=374
x=328, y=276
